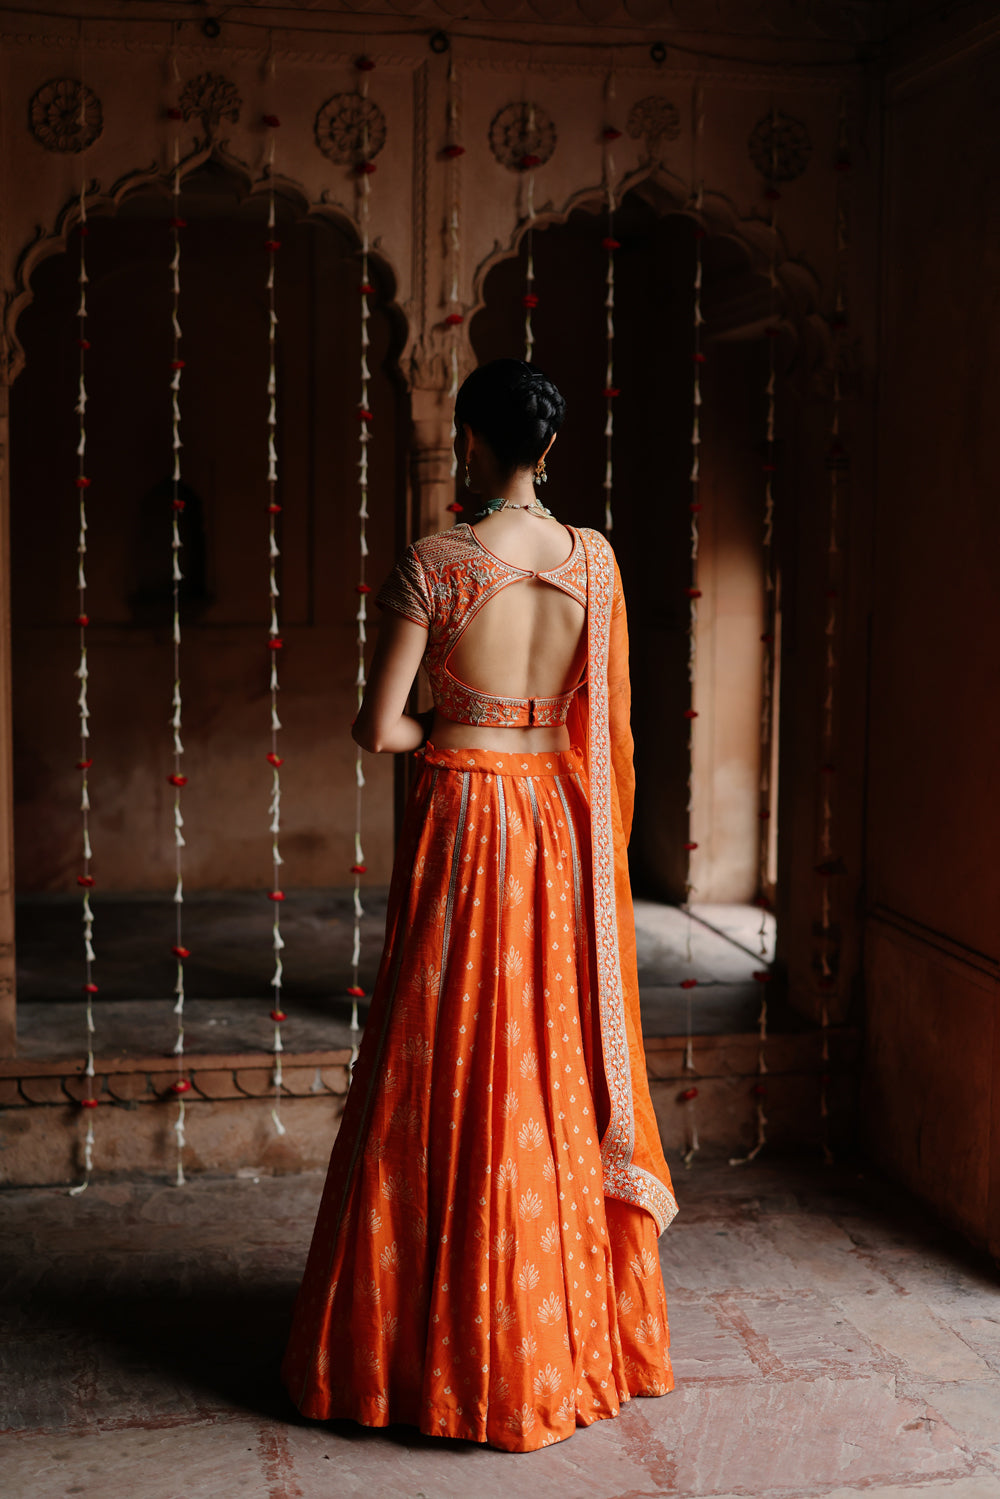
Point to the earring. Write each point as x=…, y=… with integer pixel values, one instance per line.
x=468, y=478
x=541, y=477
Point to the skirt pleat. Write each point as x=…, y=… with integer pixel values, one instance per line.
x=467, y=1274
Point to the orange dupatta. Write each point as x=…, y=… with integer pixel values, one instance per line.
x=634, y=1166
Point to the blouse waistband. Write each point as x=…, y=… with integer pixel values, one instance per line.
x=510, y=763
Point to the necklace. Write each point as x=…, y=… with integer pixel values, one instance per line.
x=535, y=508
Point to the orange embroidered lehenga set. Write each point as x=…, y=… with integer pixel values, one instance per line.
x=484, y=1260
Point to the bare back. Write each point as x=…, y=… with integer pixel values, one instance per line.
x=528, y=640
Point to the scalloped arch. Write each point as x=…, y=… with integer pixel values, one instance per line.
x=153, y=179
x=799, y=288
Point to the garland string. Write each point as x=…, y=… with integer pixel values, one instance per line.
x=365, y=169
x=529, y=300
x=177, y=779
x=455, y=317
x=610, y=244
x=274, y=640
x=85, y=881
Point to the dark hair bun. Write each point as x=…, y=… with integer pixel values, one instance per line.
x=514, y=408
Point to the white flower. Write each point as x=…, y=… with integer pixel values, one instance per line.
x=644, y=1263
x=550, y=1310
x=549, y=1171
x=567, y=1410
x=503, y=1316
x=417, y=1049
x=529, y=1065
x=526, y=1349
x=511, y=1033
x=648, y=1330
x=530, y=1135
x=509, y=1103
x=390, y=1327
x=625, y=1303
x=550, y=1239
x=374, y=1221
x=371, y=1289
x=522, y=1421
x=530, y=1204
x=514, y=892
x=528, y=1278
x=503, y=1245
x=547, y=1381
x=389, y=1258
x=507, y=1174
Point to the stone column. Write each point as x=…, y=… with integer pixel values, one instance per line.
x=8, y=1014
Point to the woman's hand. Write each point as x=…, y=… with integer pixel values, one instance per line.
x=382, y=725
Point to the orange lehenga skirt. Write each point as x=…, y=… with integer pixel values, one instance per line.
x=467, y=1275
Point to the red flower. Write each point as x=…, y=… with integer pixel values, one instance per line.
x=772, y=194
x=689, y=983
x=275, y=760
x=177, y=364
x=763, y=903
x=272, y=121
x=701, y=233
x=177, y=780
x=278, y=1016
x=178, y=223
x=455, y=507
x=365, y=168
x=695, y=505
x=278, y=895
x=274, y=509
x=175, y=114
x=364, y=64
x=690, y=713
x=763, y=815
x=758, y=1090
x=276, y=643
x=831, y=593
x=177, y=504
x=90, y=988
x=364, y=415
x=610, y=391
x=609, y=133
x=82, y=483
x=529, y=161
x=688, y=1095
x=84, y=764
x=356, y=992
x=362, y=588
x=769, y=468
x=181, y=952
x=88, y=1103
x=366, y=289
x=693, y=593
x=454, y=320
x=767, y=638
x=272, y=244
x=610, y=244
x=762, y=975
x=828, y=769
x=181, y=1086
x=84, y=343
x=83, y=620
x=690, y=846
x=359, y=868
x=453, y=151
x=529, y=300
x=698, y=358
x=86, y=881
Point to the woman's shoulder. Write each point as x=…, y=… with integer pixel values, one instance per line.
x=443, y=547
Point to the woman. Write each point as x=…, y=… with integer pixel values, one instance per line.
x=484, y=1261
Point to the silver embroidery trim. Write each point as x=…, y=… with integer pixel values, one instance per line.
x=502, y=876
x=577, y=873
x=453, y=882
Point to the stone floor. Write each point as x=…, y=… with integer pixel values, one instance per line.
x=229, y=970
x=829, y=1339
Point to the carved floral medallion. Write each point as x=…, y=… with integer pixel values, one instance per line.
x=655, y=121
x=212, y=99
x=65, y=115
x=350, y=128
x=522, y=135
x=779, y=147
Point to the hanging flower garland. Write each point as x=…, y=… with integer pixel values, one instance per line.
x=455, y=317
x=768, y=637
x=364, y=169
x=529, y=301
x=177, y=779
x=836, y=464
x=85, y=881
x=274, y=641
x=693, y=595
x=609, y=135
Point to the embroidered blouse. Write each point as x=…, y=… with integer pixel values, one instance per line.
x=441, y=582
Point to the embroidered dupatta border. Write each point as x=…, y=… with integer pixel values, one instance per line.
x=623, y=1178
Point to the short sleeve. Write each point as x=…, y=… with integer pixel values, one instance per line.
x=406, y=590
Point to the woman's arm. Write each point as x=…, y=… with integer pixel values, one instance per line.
x=382, y=725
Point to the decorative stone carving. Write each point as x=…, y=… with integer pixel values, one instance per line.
x=656, y=121
x=349, y=128
x=57, y=120
x=213, y=99
x=779, y=147
x=522, y=135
